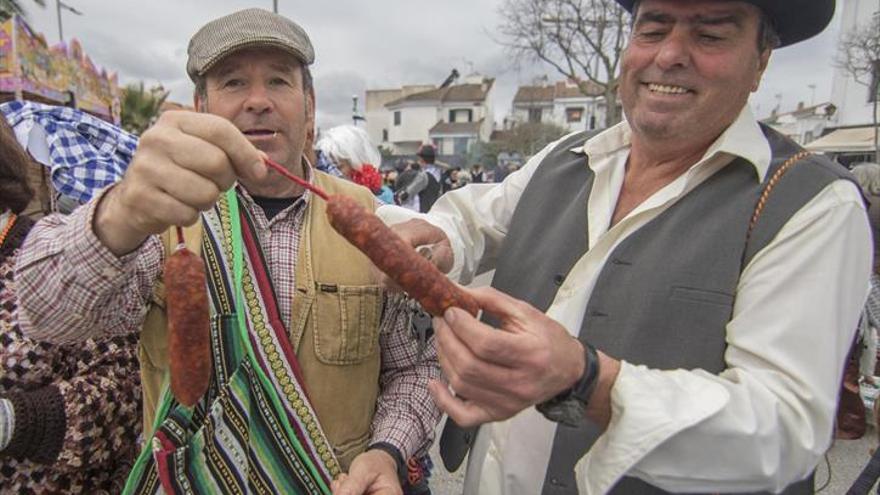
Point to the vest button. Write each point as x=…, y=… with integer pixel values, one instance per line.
x=559, y=279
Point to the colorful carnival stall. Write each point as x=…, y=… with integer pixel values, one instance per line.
x=56, y=75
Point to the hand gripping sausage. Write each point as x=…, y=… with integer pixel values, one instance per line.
x=189, y=326
x=416, y=275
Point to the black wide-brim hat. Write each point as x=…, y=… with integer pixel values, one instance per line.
x=794, y=20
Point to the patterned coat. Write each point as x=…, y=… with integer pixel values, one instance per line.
x=77, y=406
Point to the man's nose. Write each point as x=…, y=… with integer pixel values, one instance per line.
x=674, y=51
x=258, y=99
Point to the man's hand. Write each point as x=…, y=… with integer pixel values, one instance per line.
x=373, y=472
x=528, y=360
x=182, y=165
x=428, y=240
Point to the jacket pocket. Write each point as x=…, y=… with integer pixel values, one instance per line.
x=346, y=322
x=702, y=296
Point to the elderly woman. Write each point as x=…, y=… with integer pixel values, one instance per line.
x=350, y=150
x=69, y=415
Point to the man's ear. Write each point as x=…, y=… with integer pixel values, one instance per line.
x=763, y=61
x=198, y=103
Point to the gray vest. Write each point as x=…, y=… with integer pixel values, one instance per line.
x=665, y=295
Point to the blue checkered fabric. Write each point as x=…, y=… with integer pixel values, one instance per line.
x=86, y=153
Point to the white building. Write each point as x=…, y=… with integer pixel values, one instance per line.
x=804, y=124
x=452, y=117
x=562, y=103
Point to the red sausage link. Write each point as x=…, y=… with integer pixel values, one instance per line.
x=416, y=275
x=189, y=326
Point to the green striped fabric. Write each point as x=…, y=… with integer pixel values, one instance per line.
x=240, y=438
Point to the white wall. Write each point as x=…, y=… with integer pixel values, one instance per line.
x=850, y=97
x=415, y=123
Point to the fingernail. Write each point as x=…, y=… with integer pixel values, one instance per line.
x=449, y=315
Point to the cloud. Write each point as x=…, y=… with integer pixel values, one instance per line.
x=361, y=45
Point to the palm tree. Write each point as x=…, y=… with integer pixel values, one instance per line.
x=140, y=106
x=8, y=8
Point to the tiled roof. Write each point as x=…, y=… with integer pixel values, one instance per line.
x=456, y=128
x=537, y=94
x=457, y=93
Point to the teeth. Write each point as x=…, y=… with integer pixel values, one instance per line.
x=662, y=88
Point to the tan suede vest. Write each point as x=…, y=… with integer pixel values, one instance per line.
x=334, y=331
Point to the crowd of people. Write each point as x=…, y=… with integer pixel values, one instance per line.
x=673, y=303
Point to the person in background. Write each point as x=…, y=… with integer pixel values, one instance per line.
x=477, y=174
x=350, y=150
x=69, y=414
x=427, y=156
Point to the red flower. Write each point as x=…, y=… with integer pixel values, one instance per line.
x=368, y=177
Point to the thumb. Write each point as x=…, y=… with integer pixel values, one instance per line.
x=355, y=483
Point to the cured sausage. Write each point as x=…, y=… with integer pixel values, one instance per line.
x=416, y=275
x=189, y=326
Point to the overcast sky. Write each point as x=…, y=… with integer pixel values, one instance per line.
x=363, y=45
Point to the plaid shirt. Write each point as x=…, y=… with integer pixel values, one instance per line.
x=86, y=154
x=71, y=287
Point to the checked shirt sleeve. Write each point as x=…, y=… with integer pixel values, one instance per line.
x=406, y=415
x=71, y=287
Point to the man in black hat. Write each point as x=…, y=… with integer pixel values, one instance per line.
x=675, y=296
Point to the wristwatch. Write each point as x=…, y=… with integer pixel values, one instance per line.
x=568, y=407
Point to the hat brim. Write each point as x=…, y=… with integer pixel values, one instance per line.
x=278, y=45
x=794, y=20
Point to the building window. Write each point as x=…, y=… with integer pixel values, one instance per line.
x=534, y=115
x=592, y=122
x=384, y=135
x=438, y=145
x=574, y=114
x=461, y=115
x=460, y=146
x=397, y=117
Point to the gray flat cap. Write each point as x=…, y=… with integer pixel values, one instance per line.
x=249, y=28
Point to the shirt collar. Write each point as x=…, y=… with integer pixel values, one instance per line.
x=743, y=139
x=302, y=200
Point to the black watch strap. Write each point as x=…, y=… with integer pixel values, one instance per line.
x=394, y=452
x=568, y=407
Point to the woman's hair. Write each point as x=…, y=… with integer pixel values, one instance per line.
x=15, y=192
x=347, y=142
x=868, y=176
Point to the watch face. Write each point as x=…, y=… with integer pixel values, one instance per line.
x=570, y=411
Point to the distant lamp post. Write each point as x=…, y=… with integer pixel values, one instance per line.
x=812, y=93
x=355, y=115
x=61, y=5
x=275, y=6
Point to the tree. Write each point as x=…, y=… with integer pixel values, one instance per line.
x=529, y=138
x=859, y=55
x=582, y=39
x=140, y=107
x=8, y=8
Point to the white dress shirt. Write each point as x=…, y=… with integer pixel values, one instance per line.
x=763, y=422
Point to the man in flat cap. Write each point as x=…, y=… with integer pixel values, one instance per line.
x=315, y=372
x=676, y=295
